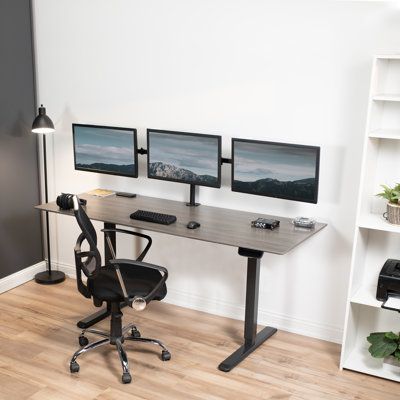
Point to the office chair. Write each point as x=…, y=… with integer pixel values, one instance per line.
x=134, y=283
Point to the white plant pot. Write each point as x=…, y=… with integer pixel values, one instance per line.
x=391, y=365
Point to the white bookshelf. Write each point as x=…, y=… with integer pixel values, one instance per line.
x=375, y=240
x=393, y=134
x=358, y=361
x=386, y=97
x=377, y=222
x=365, y=295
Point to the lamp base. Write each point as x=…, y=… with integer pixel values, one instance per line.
x=49, y=278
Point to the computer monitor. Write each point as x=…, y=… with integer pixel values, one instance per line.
x=105, y=149
x=184, y=157
x=286, y=171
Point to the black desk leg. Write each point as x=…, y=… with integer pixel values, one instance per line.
x=107, y=252
x=104, y=312
x=252, y=339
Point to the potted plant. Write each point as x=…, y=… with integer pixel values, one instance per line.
x=392, y=195
x=385, y=345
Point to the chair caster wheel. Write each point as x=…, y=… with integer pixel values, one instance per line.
x=126, y=377
x=135, y=333
x=165, y=355
x=83, y=341
x=74, y=367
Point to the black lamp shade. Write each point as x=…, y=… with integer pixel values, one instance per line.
x=42, y=123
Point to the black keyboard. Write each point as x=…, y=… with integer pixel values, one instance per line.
x=149, y=216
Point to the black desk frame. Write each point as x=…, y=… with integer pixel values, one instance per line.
x=252, y=339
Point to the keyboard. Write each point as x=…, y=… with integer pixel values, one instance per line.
x=150, y=216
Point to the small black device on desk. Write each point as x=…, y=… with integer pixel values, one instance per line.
x=150, y=216
x=389, y=280
x=265, y=223
x=193, y=225
x=125, y=194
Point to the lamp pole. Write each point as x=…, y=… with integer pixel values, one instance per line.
x=43, y=124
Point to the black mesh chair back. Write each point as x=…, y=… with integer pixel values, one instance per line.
x=90, y=262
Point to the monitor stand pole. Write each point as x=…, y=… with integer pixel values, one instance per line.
x=192, y=202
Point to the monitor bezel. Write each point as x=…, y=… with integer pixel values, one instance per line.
x=316, y=148
x=219, y=140
x=135, y=150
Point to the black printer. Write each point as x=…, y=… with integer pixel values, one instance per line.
x=389, y=280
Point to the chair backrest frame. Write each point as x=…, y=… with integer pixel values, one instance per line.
x=89, y=261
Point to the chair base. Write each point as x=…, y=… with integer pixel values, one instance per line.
x=129, y=332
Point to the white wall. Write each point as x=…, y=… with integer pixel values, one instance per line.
x=286, y=71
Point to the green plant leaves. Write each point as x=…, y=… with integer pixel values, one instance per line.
x=384, y=344
x=382, y=349
x=390, y=194
x=376, y=337
x=391, y=335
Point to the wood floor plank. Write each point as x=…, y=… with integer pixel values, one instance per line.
x=114, y=394
x=8, y=385
x=38, y=336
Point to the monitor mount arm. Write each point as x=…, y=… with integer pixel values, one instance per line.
x=142, y=151
x=192, y=201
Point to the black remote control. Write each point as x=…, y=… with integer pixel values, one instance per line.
x=125, y=194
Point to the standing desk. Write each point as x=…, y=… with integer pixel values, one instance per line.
x=218, y=225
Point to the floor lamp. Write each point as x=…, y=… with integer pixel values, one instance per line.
x=43, y=124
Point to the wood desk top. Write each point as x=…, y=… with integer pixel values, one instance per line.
x=218, y=225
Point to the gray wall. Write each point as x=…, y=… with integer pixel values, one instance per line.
x=20, y=231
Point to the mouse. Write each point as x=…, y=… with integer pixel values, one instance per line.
x=192, y=225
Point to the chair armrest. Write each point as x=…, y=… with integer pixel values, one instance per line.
x=158, y=286
x=140, y=264
x=142, y=235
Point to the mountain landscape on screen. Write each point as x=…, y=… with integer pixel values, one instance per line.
x=183, y=157
x=123, y=169
x=276, y=170
x=105, y=150
x=300, y=189
x=162, y=170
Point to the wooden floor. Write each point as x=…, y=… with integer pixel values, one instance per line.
x=38, y=335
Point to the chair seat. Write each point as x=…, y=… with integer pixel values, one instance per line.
x=139, y=281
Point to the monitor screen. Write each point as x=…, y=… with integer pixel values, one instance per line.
x=105, y=149
x=184, y=157
x=287, y=171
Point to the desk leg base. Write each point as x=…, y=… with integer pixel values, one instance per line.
x=242, y=352
x=93, y=318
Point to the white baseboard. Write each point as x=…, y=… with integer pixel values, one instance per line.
x=265, y=317
x=200, y=303
x=21, y=277
x=68, y=269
